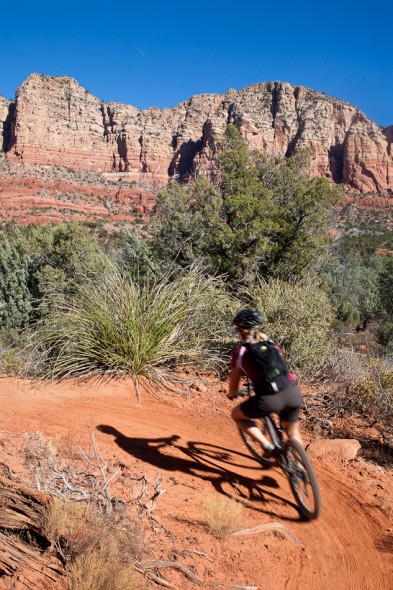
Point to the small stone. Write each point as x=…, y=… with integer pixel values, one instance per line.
x=200, y=386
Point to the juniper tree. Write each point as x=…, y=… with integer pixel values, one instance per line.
x=260, y=217
x=15, y=303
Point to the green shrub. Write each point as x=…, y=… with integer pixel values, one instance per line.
x=11, y=363
x=260, y=217
x=385, y=335
x=13, y=350
x=298, y=317
x=15, y=302
x=117, y=327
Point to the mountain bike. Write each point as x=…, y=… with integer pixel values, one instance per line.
x=292, y=458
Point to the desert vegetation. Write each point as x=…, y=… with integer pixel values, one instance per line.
x=94, y=538
x=81, y=301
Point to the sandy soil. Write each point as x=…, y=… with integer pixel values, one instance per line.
x=191, y=443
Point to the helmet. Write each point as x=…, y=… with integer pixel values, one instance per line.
x=248, y=319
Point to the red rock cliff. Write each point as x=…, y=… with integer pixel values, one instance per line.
x=57, y=122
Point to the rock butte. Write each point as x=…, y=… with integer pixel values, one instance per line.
x=54, y=122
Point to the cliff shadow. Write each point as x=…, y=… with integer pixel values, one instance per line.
x=8, y=124
x=336, y=162
x=183, y=160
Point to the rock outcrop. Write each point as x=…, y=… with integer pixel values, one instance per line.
x=56, y=122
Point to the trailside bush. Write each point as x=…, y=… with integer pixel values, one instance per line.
x=117, y=327
x=373, y=391
x=61, y=257
x=298, y=316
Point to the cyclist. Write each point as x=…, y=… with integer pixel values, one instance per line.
x=286, y=403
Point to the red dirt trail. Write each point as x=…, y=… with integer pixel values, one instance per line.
x=192, y=443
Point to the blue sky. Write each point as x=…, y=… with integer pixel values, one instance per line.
x=161, y=53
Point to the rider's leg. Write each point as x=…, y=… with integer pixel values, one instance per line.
x=289, y=414
x=249, y=427
x=292, y=430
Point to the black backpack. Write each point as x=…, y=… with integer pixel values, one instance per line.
x=271, y=366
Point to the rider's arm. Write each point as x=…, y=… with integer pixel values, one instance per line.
x=234, y=380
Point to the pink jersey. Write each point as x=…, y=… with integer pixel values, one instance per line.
x=241, y=359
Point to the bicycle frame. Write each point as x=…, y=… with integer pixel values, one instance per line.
x=273, y=431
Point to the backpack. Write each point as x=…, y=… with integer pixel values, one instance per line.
x=270, y=364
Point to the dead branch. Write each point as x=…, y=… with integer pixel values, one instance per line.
x=102, y=467
x=146, y=567
x=157, y=579
x=82, y=495
x=150, y=504
x=186, y=571
x=275, y=526
x=202, y=554
x=233, y=587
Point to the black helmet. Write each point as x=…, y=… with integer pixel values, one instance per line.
x=248, y=319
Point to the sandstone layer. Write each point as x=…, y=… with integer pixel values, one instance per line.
x=38, y=194
x=56, y=122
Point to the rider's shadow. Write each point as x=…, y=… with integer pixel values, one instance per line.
x=208, y=462
x=150, y=450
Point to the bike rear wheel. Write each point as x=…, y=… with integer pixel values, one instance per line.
x=256, y=449
x=302, y=479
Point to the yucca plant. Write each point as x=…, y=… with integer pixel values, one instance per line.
x=116, y=327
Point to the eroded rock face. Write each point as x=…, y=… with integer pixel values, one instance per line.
x=57, y=122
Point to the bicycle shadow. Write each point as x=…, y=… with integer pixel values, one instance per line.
x=209, y=463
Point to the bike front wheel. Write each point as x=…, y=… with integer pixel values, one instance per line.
x=256, y=449
x=302, y=479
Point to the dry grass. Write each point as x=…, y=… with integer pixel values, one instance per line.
x=72, y=527
x=97, y=554
x=222, y=515
x=102, y=569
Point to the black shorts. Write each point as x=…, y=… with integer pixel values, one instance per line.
x=286, y=403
